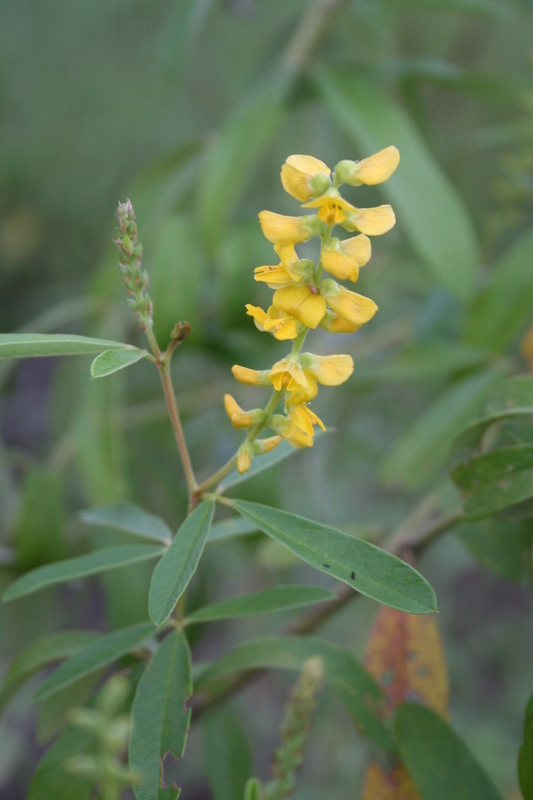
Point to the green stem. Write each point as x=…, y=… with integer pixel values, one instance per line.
x=170, y=397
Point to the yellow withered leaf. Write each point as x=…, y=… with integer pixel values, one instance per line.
x=393, y=785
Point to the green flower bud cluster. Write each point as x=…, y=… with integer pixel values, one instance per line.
x=135, y=278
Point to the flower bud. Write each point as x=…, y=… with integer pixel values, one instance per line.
x=374, y=169
x=244, y=457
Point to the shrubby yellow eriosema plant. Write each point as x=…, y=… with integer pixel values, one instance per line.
x=304, y=299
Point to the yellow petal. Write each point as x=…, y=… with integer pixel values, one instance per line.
x=359, y=248
x=287, y=374
x=274, y=277
x=250, y=377
x=286, y=328
x=332, y=208
x=332, y=323
x=299, y=302
x=262, y=446
x=374, y=169
x=301, y=419
x=244, y=461
x=343, y=259
x=280, y=229
x=297, y=437
x=259, y=316
x=297, y=171
x=231, y=406
x=315, y=420
x=354, y=308
x=330, y=370
x=372, y=221
x=304, y=394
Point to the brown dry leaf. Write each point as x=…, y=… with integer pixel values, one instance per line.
x=393, y=785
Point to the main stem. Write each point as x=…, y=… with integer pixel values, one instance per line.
x=170, y=397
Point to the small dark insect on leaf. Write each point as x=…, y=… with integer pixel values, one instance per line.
x=353, y=575
x=326, y=566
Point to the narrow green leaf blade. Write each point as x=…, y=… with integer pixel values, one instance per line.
x=112, y=360
x=366, y=568
x=27, y=345
x=173, y=573
x=51, y=780
x=427, y=204
x=438, y=760
x=229, y=760
x=278, y=598
x=352, y=684
x=128, y=518
x=45, y=651
x=230, y=528
x=95, y=655
x=160, y=720
x=81, y=567
x=525, y=756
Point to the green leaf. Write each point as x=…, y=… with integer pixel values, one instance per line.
x=233, y=154
x=278, y=598
x=466, y=445
x=80, y=567
x=503, y=306
x=26, y=345
x=46, y=651
x=112, y=360
x=173, y=573
x=128, y=518
x=51, y=780
x=427, y=204
x=230, y=528
x=280, y=453
x=38, y=531
x=492, y=466
x=95, y=655
x=252, y=790
x=415, y=458
x=496, y=495
x=503, y=546
x=352, y=684
x=228, y=757
x=438, y=760
x=525, y=756
x=160, y=720
x=366, y=568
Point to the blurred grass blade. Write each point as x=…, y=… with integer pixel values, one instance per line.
x=173, y=573
x=229, y=760
x=45, y=651
x=182, y=31
x=278, y=598
x=233, y=154
x=429, y=210
x=128, y=518
x=438, y=760
x=27, y=345
x=80, y=567
x=230, y=528
x=352, y=684
x=416, y=457
x=94, y=656
x=501, y=309
x=160, y=719
x=361, y=565
x=112, y=360
x=525, y=756
x=51, y=781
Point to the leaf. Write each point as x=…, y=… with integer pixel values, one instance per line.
x=501, y=545
x=252, y=790
x=95, y=655
x=278, y=598
x=426, y=202
x=496, y=495
x=503, y=306
x=228, y=757
x=405, y=656
x=45, y=651
x=525, y=756
x=419, y=453
x=80, y=567
x=391, y=784
x=353, y=686
x=26, y=345
x=128, y=518
x=230, y=528
x=38, y=534
x=366, y=568
x=51, y=780
x=233, y=154
x=160, y=720
x=496, y=464
x=112, y=360
x=173, y=573
x=437, y=759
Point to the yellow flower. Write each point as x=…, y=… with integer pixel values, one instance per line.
x=304, y=418
x=299, y=374
x=266, y=445
x=305, y=176
x=275, y=321
x=332, y=323
x=251, y=377
x=332, y=208
x=282, y=274
x=280, y=229
x=302, y=303
x=239, y=418
x=290, y=431
x=354, y=308
x=343, y=259
x=288, y=374
x=328, y=370
x=371, y=170
x=372, y=221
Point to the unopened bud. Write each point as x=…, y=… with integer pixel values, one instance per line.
x=244, y=457
x=180, y=331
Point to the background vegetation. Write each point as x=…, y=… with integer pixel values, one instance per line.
x=189, y=107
